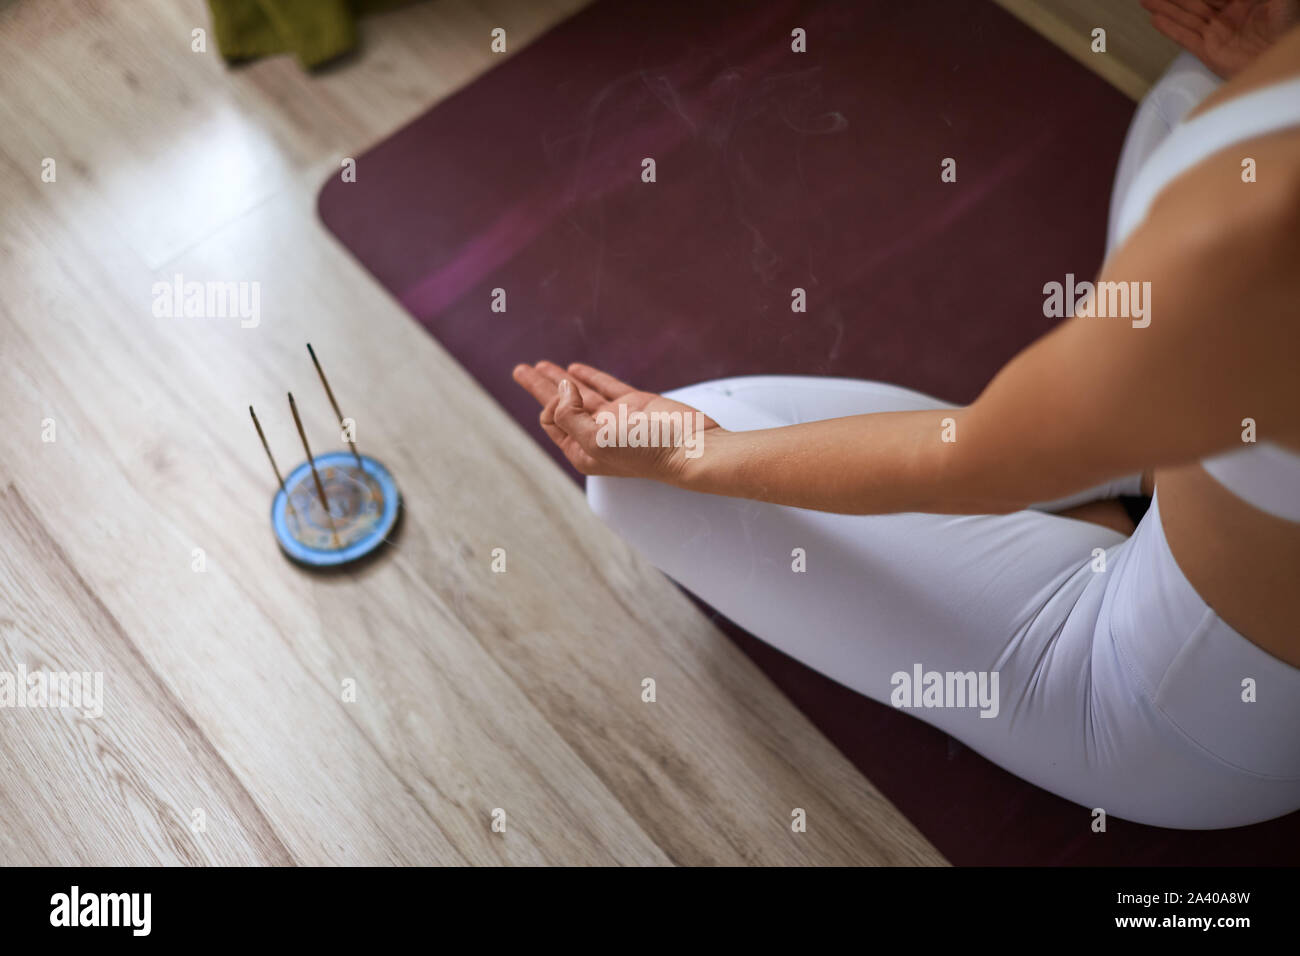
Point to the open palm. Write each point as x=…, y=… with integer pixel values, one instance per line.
x=599, y=392
x=1225, y=35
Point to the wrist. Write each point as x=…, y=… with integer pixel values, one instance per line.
x=701, y=470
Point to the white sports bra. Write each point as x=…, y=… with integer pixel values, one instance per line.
x=1264, y=474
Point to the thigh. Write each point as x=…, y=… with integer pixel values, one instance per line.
x=1034, y=598
x=864, y=598
x=771, y=400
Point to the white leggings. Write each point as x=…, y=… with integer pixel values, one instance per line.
x=1118, y=689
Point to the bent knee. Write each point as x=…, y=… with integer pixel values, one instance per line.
x=601, y=493
x=630, y=507
x=622, y=503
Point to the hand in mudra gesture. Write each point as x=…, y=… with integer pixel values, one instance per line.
x=580, y=411
x=1225, y=35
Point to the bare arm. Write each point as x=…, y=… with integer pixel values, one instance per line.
x=1093, y=399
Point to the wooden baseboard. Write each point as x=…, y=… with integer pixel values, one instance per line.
x=1135, y=54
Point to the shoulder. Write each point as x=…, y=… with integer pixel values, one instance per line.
x=1218, y=258
x=1251, y=187
x=1230, y=224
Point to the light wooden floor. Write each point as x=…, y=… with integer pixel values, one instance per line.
x=223, y=687
x=476, y=691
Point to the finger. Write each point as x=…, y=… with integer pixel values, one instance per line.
x=572, y=451
x=546, y=418
x=534, y=382
x=582, y=461
x=1193, y=8
x=1188, y=39
x=1179, y=13
x=590, y=398
x=576, y=421
x=604, y=383
x=1237, y=10
x=1227, y=23
x=578, y=456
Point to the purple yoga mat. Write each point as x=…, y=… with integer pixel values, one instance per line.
x=775, y=170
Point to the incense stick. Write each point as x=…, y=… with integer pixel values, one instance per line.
x=329, y=392
x=271, y=458
x=320, y=488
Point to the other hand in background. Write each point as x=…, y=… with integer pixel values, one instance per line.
x=1225, y=35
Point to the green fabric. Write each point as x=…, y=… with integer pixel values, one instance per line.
x=313, y=30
